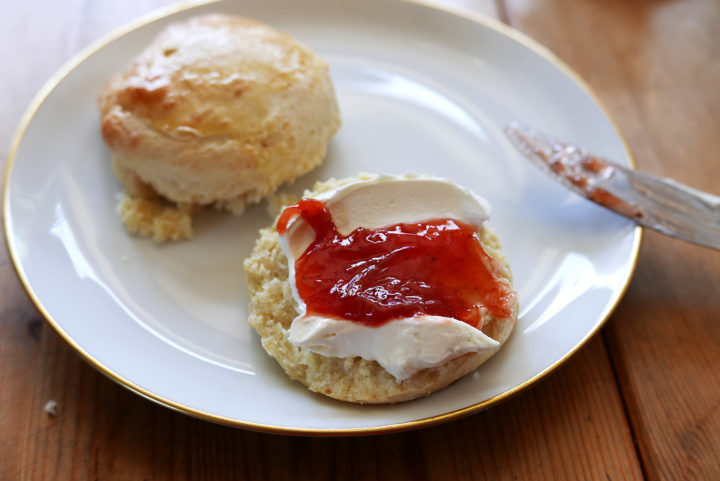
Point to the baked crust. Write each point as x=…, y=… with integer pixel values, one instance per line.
x=273, y=308
x=218, y=110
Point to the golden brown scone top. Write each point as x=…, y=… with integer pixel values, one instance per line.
x=173, y=85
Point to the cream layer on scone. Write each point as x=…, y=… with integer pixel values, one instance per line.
x=402, y=346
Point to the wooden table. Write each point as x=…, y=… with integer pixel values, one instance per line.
x=640, y=400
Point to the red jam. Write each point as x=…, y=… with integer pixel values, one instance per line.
x=603, y=197
x=372, y=276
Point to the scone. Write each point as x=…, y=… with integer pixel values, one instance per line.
x=217, y=111
x=274, y=306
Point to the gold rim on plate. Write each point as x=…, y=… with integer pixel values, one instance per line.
x=146, y=19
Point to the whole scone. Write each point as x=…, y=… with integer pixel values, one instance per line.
x=218, y=110
x=353, y=379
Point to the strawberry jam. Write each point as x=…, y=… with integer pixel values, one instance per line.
x=371, y=276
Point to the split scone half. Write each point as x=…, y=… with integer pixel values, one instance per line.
x=274, y=306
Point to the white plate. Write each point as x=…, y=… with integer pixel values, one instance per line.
x=421, y=90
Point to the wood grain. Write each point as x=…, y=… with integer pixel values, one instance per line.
x=656, y=65
x=571, y=426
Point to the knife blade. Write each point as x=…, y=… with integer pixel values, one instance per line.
x=655, y=202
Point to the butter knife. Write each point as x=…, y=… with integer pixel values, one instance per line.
x=655, y=202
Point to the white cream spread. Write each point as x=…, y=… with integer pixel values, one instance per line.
x=402, y=346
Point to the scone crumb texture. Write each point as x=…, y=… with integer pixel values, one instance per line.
x=278, y=201
x=154, y=218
